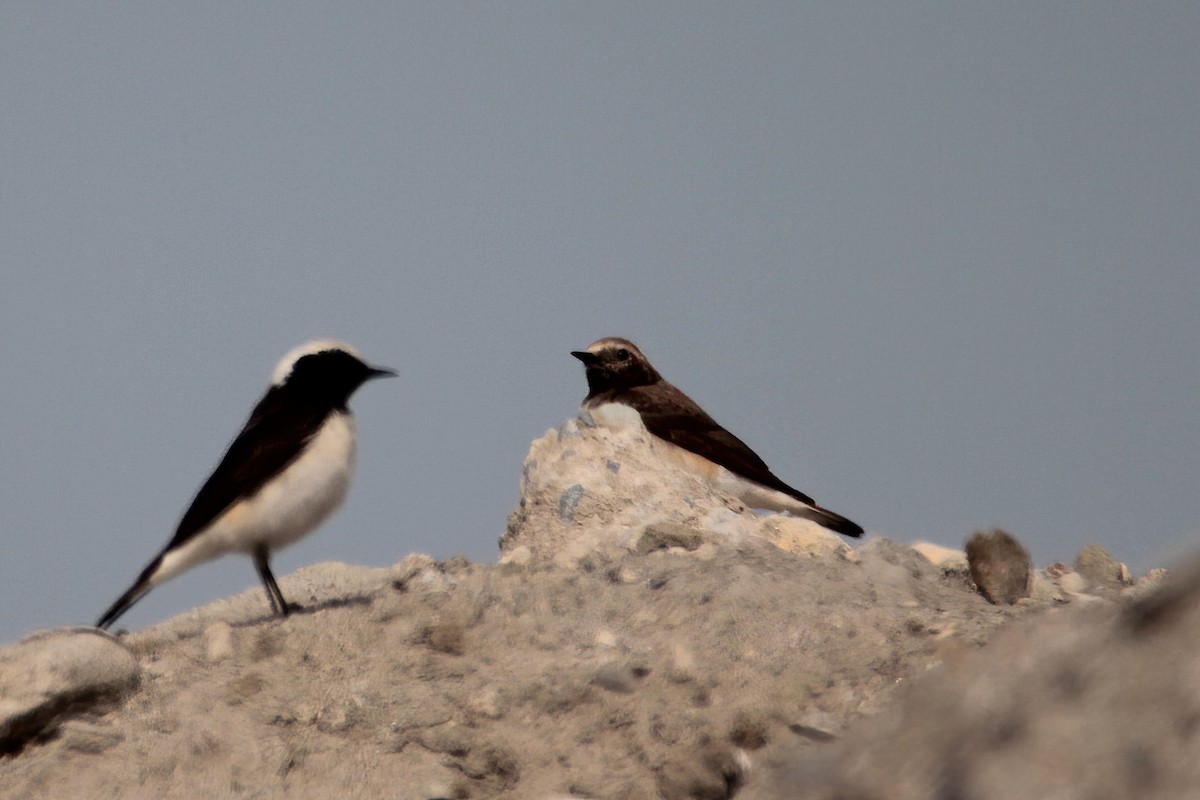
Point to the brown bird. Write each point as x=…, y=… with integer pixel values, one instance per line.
x=617, y=372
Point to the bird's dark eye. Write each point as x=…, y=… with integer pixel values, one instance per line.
x=623, y=354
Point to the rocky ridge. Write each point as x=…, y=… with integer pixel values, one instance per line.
x=643, y=635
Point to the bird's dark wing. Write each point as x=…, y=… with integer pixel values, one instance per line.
x=671, y=415
x=275, y=434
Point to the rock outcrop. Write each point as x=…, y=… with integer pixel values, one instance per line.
x=601, y=483
x=644, y=636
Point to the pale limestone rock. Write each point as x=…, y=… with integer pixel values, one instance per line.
x=411, y=566
x=1060, y=583
x=800, y=536
x=850, y=555
x=1073, y=583
x=1153, y=578
x=601, y=484
x=682, y=662
x=488, y=703
x=51, y=675
x=1046, y=585
x=218, y=642
x=948, y=559
x=1148, y=584
x=519, y=555
x=605, y=638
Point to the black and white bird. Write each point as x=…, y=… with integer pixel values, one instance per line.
x=284, y=474
x=617, y=372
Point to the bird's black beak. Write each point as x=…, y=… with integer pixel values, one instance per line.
x=380, y=372
x=588, y=359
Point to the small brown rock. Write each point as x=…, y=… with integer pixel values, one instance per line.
x=492, y=763
x=444, y=637
x=713, y=773
x=749, y=730
x=617, y=677
x=1000, y=566
x=88, y=738
x=661, y=535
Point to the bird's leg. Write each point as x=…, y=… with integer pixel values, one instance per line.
x=278, y=604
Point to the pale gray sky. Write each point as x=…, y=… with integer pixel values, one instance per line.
x=936, y=262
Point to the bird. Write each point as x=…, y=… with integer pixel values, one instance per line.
x=618, y=372
x=283, y=475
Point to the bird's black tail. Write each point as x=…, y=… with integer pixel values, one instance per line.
x=835, y=522
x=136, y=592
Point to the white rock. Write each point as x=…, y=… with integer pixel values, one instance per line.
x=519, y=555
x=1073, y=583
x=606, y=638
x=598, y=481
x=948, y=559
x=218, y=642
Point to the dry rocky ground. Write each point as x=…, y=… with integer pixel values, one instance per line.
x=642, y=637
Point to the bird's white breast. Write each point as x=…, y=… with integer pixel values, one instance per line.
x=302, y=496
x=616, y=415
x=288, y=506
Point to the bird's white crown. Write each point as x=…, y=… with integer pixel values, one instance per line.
x=284, y=367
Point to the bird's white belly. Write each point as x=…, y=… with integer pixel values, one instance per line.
x=302, y=496
x=285, y=509
x=755, y=495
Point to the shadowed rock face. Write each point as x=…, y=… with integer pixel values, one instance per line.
x=644, y=637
